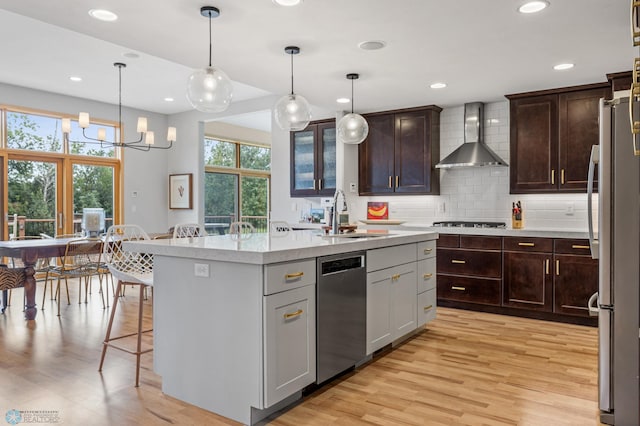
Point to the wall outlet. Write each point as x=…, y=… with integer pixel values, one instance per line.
x=441, y=207
x=353, y=187
x=201, y=270
x=326, y=202
x=570, y=209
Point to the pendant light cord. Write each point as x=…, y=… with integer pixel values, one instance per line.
x=210, y=46
x=352, y=101
x=291, y=72
x=120, y=96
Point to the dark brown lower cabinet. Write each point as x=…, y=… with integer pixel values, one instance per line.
x=528, y=281
x=546, y=278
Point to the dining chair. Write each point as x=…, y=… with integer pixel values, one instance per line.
x=81, y=261
x=239, y=228
x=186, y=230
x=278, y=226
x=132, y=268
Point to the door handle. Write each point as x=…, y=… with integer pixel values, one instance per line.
x=593, y=160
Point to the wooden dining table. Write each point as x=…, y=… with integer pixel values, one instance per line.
x=30, y=251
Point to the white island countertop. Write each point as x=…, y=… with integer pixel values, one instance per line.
x=266, y=248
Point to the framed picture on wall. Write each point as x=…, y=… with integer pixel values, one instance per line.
x=180, y=191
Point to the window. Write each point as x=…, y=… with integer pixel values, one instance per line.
x=50, y=180
x=235, y=192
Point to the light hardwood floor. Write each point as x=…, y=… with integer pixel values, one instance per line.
x=466, y=368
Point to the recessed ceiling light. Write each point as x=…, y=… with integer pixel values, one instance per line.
x=533, y=6
x=343, y=100
x=372, y=45
x=103, y=15
x=438, y=85
x=131, y=55
x=168, y=99
x=75, y=78
x=561, y=67
x=287, y=2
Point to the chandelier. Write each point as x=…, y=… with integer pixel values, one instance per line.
x=145, y=142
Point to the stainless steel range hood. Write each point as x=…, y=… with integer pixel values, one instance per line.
x=473, y=152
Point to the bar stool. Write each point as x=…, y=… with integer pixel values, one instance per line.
x=128, y=267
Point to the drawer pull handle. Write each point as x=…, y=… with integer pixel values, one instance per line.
x=426, y=308
x=294, y=314
x=458, y=261
x=427, y=250
x=395, y=277
x=527, y=244
x=458, y=288
x=427, y=276
x=293, y=276
x=577, y=246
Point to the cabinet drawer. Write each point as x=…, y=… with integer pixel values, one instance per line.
x=528, y=244
x=390, y=256
x=480, y=242
x=426, y=249
x=286, y=276
x=470, y=262
x=565, y=246
x=467, y=289
x=426, y=307
x=448, y=240
x=426, y=274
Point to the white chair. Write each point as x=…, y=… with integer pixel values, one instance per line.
x=279, y=226
x=128, y=267
x=241, y=228
x=187, y=230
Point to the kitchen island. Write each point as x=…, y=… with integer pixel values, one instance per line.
x=234, y=317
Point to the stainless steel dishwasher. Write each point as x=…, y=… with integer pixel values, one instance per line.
x=341, y=309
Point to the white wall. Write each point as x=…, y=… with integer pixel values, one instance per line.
x=465, y=194
x=145, y=172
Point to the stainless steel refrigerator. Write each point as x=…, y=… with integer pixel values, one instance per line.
x=617, y=246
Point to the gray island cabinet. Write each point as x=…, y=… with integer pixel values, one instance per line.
x=235, y=318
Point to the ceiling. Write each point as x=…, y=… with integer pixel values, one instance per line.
x=481, y=49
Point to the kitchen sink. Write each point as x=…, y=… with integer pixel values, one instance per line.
x=358, y=235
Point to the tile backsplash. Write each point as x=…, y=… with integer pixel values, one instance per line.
x=481, y=193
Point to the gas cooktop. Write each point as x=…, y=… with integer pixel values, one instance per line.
x=463, y=224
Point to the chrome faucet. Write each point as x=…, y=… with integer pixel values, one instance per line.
x=335, y=223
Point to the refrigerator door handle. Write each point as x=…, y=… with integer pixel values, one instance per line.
x=592, y=304
x=593, y=160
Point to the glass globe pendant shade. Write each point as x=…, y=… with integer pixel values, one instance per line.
x=352, y=129
x=292, y=112
x=209, y=90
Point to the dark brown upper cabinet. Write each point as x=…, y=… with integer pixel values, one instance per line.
x=313, y=160
x=552, y=132
x=400, y=152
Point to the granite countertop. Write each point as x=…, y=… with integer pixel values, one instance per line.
x=265, y=248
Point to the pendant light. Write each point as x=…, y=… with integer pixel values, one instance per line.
x=292, y=112
x=209, y=89
x=352, y=128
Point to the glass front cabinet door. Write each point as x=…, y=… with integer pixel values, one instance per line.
x=313, y=155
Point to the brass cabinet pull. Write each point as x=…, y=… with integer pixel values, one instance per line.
x=397, y=181
x=635, y=96
x=458, y=261
x=390, y=181
x=577, y=246
x=547, y=266
x=427, y=251
x=553, y=177
x=635, y=30
x=293, y=276
x=395, y=277
x=458, y=288
x=426, y=308
x=562, y=176
x=294, y=314
x=527, y=244
x=557, y=267
x=427, y=276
